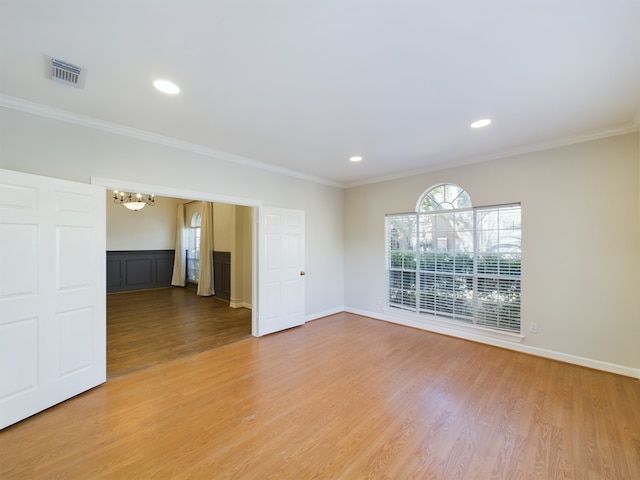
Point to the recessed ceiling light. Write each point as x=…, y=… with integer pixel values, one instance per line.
x=355, y=158
x=166, y=86
x=481, y=123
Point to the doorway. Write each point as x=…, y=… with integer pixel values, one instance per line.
x=157, y=325
x=277, y=240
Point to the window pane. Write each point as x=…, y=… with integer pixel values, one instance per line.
x=463, y=222
x=463, y=297
x=428, y=262
x=433, y=199
x=406, y=260
x=505, y=264
x=193, y=269
x=463, y=265
x=401, y=233
x=444, y=197
x=456, y=197
x=402, y=286
x=193, y=253
x=428, y=292
x=426, y=233
x=444, y=262
x=444, y=294
x=510, y=264
x=509, y=218
x=498, y=303
x=443, y=228
x=499, y=230
x=499, y=240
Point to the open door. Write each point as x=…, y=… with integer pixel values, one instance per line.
x=52, y=292
x=281, y=292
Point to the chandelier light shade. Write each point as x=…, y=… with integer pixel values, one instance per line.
x=133, y=201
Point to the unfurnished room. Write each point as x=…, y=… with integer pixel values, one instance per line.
x=320, y=240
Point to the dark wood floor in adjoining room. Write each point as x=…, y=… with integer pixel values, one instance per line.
x=341, y=398
x=150, y=327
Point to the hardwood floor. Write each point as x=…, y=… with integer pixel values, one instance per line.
x=344, y=397
x=151, y=327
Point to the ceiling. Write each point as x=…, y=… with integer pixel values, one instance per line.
x=303, y=85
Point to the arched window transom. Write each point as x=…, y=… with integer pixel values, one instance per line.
x=445, y=196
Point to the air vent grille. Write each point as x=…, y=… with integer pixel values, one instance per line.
x=66, y=73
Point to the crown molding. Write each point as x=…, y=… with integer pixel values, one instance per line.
x=117, y=129
x=40, y=110
x=536, y=147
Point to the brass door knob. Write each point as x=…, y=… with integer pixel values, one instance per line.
x=302, y=274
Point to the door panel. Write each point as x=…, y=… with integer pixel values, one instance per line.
x=52, y=292
x=281, y=270
x=19, y=342
x=19, y=254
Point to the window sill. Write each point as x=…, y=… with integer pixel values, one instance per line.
x=449, y=327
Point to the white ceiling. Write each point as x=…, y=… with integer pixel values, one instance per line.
x=303, y=85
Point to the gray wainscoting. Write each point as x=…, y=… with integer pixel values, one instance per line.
x=143, y=269
x=139, y=269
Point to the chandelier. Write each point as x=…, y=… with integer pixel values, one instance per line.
x=133, y=201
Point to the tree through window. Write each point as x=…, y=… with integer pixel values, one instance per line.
x=455, y=261
x=444, y=197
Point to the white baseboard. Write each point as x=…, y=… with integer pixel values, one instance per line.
x=511, y=345
x=235, y=304
x=326, y=313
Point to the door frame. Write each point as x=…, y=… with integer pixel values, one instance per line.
x=188, y=194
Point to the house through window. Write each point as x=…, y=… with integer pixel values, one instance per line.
x=451, y=260
x=193, y=248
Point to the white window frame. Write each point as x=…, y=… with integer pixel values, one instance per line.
x=415, y=290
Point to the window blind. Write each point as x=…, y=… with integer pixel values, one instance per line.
x=463, y=264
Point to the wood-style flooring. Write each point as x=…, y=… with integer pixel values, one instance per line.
x=150, y=327
x=343, y=397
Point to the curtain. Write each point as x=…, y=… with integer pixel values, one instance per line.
x=179, y=259
x=205, y=277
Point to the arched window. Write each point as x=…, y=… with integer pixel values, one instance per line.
x=193, y=248
x=445, y=196
x=455, y=261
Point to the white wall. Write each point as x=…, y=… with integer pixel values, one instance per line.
x=152, y=228
x=43, y=146
x=581, y=222
x=580, y=239
x=242, y=290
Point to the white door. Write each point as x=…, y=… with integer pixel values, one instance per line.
x=280, y=270
x=52, y=292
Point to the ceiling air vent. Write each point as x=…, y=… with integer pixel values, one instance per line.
x=66, y=73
